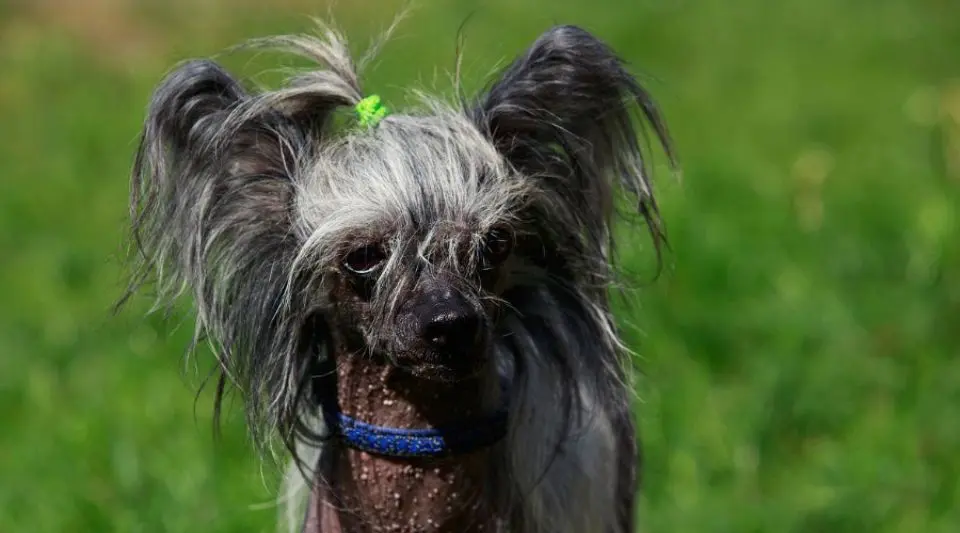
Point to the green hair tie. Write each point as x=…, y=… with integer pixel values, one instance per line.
x=370, y=111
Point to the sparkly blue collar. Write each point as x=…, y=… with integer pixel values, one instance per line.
x=452, y=439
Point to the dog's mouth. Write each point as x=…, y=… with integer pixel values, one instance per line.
x=435, y=365
x=440, y=373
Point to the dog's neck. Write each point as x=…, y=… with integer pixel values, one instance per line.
x=369, y=493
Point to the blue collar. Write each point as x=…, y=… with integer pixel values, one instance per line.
x=448, y=440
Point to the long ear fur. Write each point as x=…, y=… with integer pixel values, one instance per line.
x=562, y=114
x=564, y=110
x=212, y=202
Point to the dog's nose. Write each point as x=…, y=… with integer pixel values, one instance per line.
x=452, y=328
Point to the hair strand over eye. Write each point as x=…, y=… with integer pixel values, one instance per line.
x=497, y=245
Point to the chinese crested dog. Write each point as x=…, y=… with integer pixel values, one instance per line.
x=416, y=304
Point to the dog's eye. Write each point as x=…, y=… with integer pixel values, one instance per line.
x=364, y=260
x=497, y=245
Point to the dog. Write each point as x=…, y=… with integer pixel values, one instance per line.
x=415, y=304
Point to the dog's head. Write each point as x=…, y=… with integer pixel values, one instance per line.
x=413, y=240
x=410, y=227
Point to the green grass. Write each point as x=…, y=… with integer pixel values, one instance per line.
x=800, y=369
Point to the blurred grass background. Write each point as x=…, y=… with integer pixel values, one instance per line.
x=800, y=367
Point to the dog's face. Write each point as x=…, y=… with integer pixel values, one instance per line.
x=415, y=225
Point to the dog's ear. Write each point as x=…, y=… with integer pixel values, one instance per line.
x=564, y=109
x=213, y=208
x=200, y=164
x=211, y=198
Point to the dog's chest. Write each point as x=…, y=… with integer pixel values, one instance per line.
x=377, y=494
